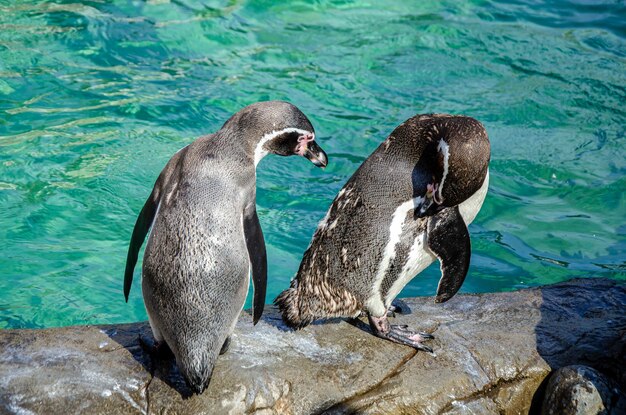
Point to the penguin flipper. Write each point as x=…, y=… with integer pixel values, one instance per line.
x=448, y=239
x=258, y=259
x=142, y=226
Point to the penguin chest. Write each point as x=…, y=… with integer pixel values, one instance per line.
x=406, y=251
x=404, y=254
x=417, y=258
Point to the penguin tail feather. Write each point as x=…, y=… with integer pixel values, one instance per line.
x=288, y=304
x=197, y=369
x=196, y=384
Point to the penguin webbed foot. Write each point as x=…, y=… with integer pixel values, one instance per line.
x=402, y=335
x=399, y=333
x=155, y=348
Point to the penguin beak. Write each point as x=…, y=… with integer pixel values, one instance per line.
x=428, y=207
x=315, y=154
x=425, y=208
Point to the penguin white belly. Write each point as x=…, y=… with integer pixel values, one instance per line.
x=420, y=257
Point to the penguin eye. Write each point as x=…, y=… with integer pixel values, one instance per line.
x=284, y=144
x=286, y=138
x=293, y=136
x=291, y=140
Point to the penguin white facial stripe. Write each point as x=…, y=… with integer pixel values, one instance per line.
x=260, y=152
x=418, y=259
x=445, y=150
x=375, y=304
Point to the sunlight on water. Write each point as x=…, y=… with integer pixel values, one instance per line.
x=96, y=96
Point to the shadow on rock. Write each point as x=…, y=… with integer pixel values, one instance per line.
x=160, y=366
x=274, y=320
x=583, y=322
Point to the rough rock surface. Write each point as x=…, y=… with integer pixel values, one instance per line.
x=581, y=390
x=493, y=353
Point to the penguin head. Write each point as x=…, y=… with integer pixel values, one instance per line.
x=463, y=164
x=458, y=160
x=290, y=141
x=280, y=128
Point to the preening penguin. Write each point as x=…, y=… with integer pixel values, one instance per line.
x=206, y=238
x=408, y=203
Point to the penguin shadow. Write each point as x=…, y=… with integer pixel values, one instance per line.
x=137, y=339
x=276, y=321
x=575, y=328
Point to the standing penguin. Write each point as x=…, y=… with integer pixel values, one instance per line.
x=408, y=203
x=206, y=238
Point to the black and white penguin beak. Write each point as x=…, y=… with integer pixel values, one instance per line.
x=430, y=204
x=315, y=154
x=427, y=208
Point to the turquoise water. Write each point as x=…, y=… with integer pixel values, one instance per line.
x=96, y=96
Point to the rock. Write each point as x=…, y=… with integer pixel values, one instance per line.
x=581, y=390
x=492, y=354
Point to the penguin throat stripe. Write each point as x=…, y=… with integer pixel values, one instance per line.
x=445, y=150
x=260, y=151
x=374, y=303
x=418, y=259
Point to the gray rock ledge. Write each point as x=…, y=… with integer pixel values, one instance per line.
x=494, y=353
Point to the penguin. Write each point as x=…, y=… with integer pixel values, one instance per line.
x=205, y=236
x=408, y=204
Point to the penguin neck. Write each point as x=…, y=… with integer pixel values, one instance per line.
x=260, y=149
x=240, y=143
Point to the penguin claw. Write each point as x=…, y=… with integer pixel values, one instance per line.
x=401, y=327
x=425, y=348
x=405, y=328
